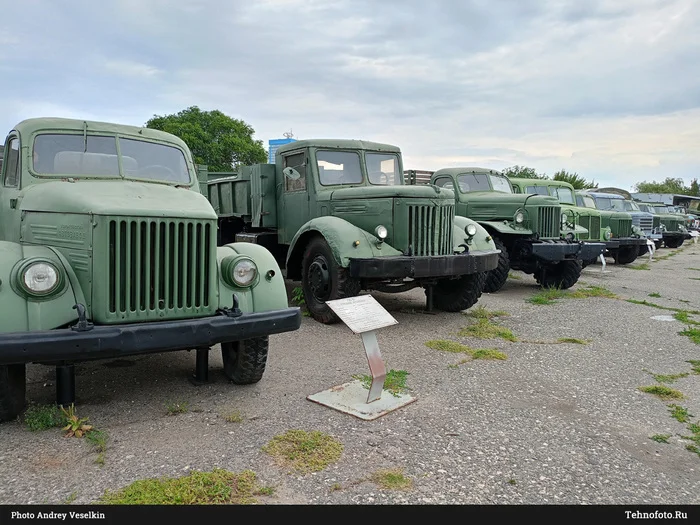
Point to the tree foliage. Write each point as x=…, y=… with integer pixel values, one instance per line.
x=576, y=180
x=215, y=139
x=523, y=172
x=669, y=185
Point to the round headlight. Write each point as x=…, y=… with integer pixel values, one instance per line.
x=243, y=272
x=381, y=232
x=519, y=217
x=470, y=229
x=40, y=278
x=607, y=235
x=564, y=218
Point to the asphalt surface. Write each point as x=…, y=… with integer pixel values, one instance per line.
x=552, y=424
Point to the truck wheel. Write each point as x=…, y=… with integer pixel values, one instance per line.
x=658, y=244
x=588, y=263
x=323, y=280
x=496, y=278
x=627, y=255
x=561, y=275
x=244, y=361
x=13, y=388
x=455, y=295
x=674, y=242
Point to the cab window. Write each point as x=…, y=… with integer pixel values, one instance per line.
x=12, y=163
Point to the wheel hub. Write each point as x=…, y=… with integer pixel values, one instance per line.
x=319, y=278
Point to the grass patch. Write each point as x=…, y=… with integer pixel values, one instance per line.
x=198, y=488
x=394, y=382
x=683, y=317
x=694, y=278
x=695, y=366
x=693, y=334
x=179, y=407
x=592, y=291
x=572, y=340
x=642, y=266
x=98, y=440
x=448, y=346
x=304, y=451
x=514, y=276
x=234, y=416
x=547, y=296
x=696, y=269
x=662, y=392
x=485, y=329
x=680, y=413
x=660, y=438
x=482, y=313
x=391, y=479
x=654, y=294
x=43, y=417
x=669, y=308
x=550, y=295
x=667, y=378
x=489, y=353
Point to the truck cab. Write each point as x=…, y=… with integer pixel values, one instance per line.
x=340, y=219
x=671, y=224
x=526, y=228
x=108, y=249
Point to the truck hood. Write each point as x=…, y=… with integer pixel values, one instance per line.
x=116, y=198
x=372, y=192
x=491, y=197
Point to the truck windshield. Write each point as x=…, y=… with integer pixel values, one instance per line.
x=606, y=203
x=383, y=169
x=631, y=206
x=499, y=183
x=338, y=167
x=563, y=195
x=480, y=182
x=585, y=201
x=96, y=156
x=537, y=190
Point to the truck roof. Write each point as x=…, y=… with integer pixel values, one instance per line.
x=468, y=169
x=602, y=194
x=542, y=182
x=339, y=144
x=33, y=125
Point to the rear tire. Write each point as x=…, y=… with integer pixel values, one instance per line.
x=13, y=391
x=496, y=278
x=455, y=295
x=561, y=275
x=244, y=361
x=626, y=255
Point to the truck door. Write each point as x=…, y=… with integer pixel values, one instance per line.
x=293, y=209
x=9, y=191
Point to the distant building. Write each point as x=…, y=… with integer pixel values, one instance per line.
x=273, y=144
x=672, y=199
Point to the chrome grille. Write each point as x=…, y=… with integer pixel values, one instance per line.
x=430, y=230
x=160, y=267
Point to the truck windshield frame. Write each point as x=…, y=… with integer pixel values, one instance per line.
x=469, y=182
x=563, y=194
x=105, y=156
x=586, y=201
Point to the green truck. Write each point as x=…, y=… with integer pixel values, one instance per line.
x=108, y=249
x=672, y=225
x=527, y=229
x=338, y=218
x=615, y=230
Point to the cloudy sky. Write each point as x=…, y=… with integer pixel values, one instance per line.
x=609, y=89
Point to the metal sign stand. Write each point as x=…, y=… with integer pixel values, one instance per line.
x=363, y=315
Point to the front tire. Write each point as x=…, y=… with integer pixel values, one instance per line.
x=561, y=275
x=674, y=242
x=496, y=278
x=322, y=279
x=244, y=361
x=626, y=255
x=455, y=295
x=13, y=391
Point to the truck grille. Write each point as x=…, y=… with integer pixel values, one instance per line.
x=592, y=224
x=160, y=268
x=585, y=222
x=673, y=224
x=430, y=230
x=645, y=223
x=657, y=221
x=548, y=224
x=621, y=228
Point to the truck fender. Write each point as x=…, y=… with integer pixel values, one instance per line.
x=504, y=228
x=481, y=241
x=21, y=313
x=340, y=236
x=268, y=291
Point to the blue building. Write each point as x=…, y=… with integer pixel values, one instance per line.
x=273, y=144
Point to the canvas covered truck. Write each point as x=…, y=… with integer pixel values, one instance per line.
x=339, y=218
x=108, y=249
x=671, y=224
x=526, y=228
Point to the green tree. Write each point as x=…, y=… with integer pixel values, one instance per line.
x=215, y=139
x=669, y=185
x=576, y=180
x=523, y=172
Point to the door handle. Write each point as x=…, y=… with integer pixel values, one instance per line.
x=13, y=203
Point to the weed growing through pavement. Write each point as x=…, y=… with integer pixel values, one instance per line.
x=303, y=451
x=394, y=381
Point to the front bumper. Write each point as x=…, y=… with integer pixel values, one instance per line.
x=614, y=244
x=107, y=341
x=676, y=235
x=653, y=236
x=556, y=251
x=402, y=266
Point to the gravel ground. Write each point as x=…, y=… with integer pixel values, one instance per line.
x=551, y=424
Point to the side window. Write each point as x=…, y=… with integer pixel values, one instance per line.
x=12, y=163
x=444, y=182
x=295, y=172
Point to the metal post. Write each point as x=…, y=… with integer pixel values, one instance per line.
x=429, y=298
x=376, y=365
x=65, y=384
x=201, y=373
x=602, y=261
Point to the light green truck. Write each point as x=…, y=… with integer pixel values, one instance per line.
x=108, y=249
x=338, y=217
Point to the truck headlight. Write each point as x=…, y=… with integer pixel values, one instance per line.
x=381, y=232
x=470, y=229
x=519, y=217
x=39, y=278
x=564, y=218
x=607, y=235
x=238, y=271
